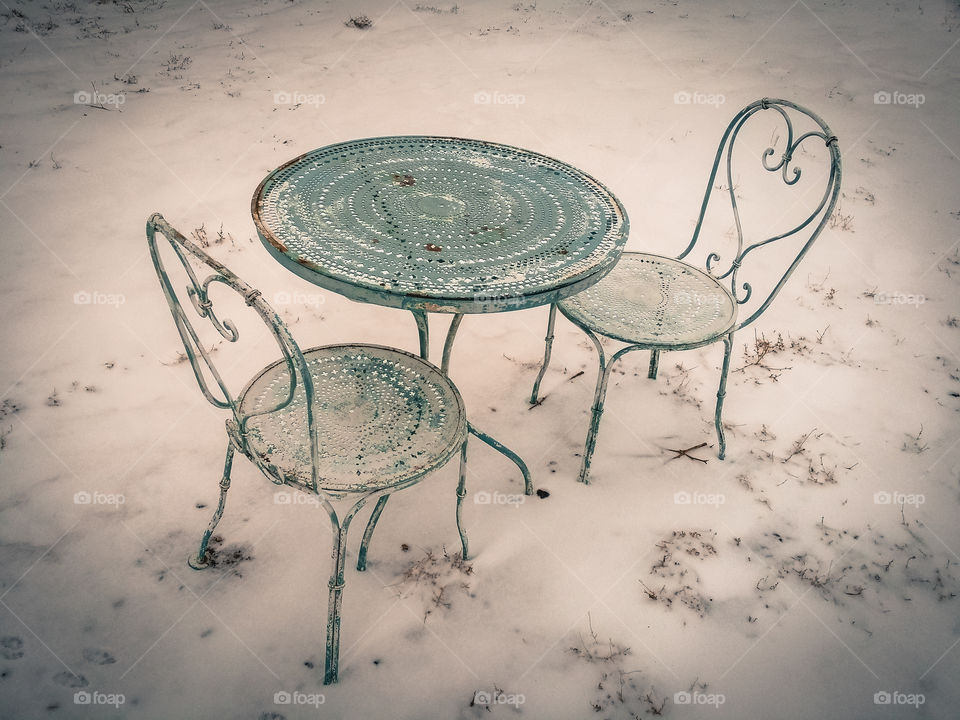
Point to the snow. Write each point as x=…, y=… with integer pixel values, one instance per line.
x=791, y=585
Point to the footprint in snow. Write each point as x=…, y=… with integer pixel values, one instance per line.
x=99, y=657
x=11, y=648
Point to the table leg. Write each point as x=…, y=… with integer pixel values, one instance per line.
x=504, y=450
x=448, y=345
x=423, y=330
x=422, y=326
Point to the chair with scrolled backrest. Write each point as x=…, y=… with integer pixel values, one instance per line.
x=657, y=303
x=352, y=422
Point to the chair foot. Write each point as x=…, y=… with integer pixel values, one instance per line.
x=199, y=561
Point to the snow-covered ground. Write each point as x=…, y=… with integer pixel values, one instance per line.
x=812, y=574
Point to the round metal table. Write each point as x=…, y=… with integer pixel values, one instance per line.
x=440, y=224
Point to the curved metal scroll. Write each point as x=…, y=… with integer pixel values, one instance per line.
x=790, y=175
x=198, y=292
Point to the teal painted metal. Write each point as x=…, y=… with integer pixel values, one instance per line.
x=548, y=349
x=439, y=224
x=345, y=422
x=423, y=327
x=657, y=303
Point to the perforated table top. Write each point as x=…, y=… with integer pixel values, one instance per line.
x=440, y=224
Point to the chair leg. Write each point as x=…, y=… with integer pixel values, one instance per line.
x=546, y=353
x=654, y=364
x=721, y=393
x=596, y=410
x=199, y=561
x=332, y=662
x=461, y=494
x=368, y=533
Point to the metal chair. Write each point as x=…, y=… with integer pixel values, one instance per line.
x=657, y=303
x=345, y=422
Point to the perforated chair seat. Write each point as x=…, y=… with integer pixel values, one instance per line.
x=655, y=302
x=383, y=417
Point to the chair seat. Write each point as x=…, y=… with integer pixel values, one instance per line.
x=656, y=302
x=384, y=418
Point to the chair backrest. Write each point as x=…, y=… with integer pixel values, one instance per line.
x=807, y=230
x=200, y=359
